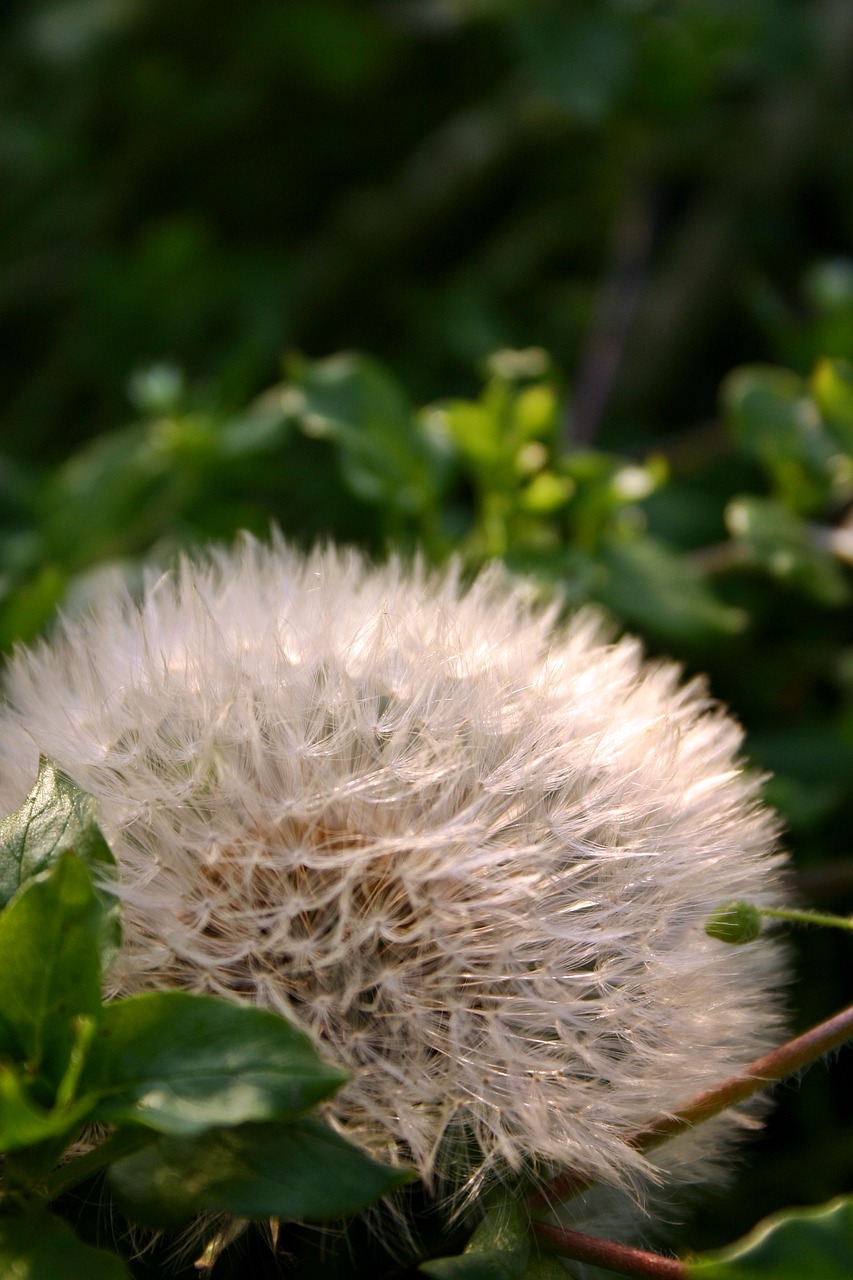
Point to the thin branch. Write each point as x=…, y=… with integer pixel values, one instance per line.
x=773, y=1066
x=797, y=916
x=777, y=1064
x=606, y=1253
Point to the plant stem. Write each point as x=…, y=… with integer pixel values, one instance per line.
x=606, y=1253
x=807, y=917
x=123, y=1143
x=789, y=1057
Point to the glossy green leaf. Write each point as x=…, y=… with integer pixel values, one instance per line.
x=59, y=817
x=43, y=1247
x=800, y=1244
x=287, y=1171
x=500, y=1249
x=781, y=543
x=56, y=817
x=49, y=966
x=181, y=1063
x=660, y=591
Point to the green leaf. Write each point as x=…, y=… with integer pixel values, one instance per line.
x=546, y=1266
x=500, y=1249
x=42, y=1247
x=661, y=592
x=24, y=1123
x=50, y=968
x=832, y=387
x=384, y=455
x=800, y=1244
x=26, y=607
x=475, y=429
x=287, y=1171
x=780, y=542
x=546, y=493
x=580, y=60
x=181, y=1063
x=604, y=485
x=775, y=419
x=58, y=817
x=113, y=497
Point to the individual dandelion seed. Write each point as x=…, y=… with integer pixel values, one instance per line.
x=469, y=851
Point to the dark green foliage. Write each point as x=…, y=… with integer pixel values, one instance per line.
x=289, y=1171
x=500, y=1249
x=42, y=1247
x=429, y=181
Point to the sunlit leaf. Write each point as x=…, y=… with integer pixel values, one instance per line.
x=58, y=817
x=55, y=818
x=832, y=385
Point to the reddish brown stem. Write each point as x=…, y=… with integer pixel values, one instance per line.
x=605, y=1253
x=781, y=1062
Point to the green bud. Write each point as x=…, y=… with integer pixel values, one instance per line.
x=734, y=922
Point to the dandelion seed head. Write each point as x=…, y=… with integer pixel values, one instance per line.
x=468, y=850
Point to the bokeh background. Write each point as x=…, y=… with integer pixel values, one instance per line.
x=569, y=284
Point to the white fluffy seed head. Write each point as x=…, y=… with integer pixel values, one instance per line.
x=470, y=853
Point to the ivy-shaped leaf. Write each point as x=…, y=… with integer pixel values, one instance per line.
x=801, y=1244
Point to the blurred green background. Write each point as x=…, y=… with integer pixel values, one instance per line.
x=590, y=266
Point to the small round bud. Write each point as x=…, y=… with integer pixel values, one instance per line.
x=734, y=922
